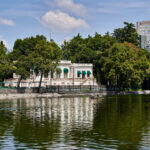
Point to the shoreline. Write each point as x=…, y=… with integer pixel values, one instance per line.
x=46, y=95
x=57, y=95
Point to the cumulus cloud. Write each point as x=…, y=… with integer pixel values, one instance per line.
x=62, y=22
x=70, y=6
x=6, y=22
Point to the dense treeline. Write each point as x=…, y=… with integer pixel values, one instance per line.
x=116, y=58
x=33, y=53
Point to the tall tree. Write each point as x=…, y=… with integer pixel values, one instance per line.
x=88, y=50
x=72, y=48
x=25, y=46
x=5, y=65
x=127, y=34
x=20, y=56
x=35, y=53
x=22, y=67
x=45, y=57
x=124, y=66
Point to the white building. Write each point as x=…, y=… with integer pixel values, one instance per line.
x=70, y=74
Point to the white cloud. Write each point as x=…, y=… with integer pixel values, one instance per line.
x=61, y=22
x=70, y=6
x=4, y=41
x=6, y=22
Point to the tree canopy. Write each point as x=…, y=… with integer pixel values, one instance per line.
x=124, y=67
x=116, y=58
x=35, y=53
x=5, y=65
x=127, y=34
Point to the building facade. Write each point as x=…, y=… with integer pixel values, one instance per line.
x=143, y=30
x=66, y=73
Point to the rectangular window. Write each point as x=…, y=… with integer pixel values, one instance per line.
x=78, y=75
x=65, y=75
x=58, y=76
x=46, y=75
x=83, y=76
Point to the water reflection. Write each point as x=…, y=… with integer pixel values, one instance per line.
x=118, y=122
x=37, y=123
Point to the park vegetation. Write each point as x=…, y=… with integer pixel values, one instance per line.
x=116, y=57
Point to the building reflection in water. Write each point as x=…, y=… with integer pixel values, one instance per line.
x=117, y=122
x=78, y=110
x=44, y=120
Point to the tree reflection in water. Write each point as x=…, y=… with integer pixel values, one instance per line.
x=118, y=122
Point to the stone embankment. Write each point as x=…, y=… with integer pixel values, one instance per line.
x=23, y=96
x=144, y=92
x=14, y=95
x=48, y=95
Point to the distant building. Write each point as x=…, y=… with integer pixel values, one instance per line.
x=69, y=74
x=143, y=30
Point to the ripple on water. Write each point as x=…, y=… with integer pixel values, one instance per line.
x=117, y=122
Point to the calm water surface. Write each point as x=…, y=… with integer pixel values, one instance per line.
x=115, y=123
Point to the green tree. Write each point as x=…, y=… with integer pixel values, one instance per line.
x=5, y=65
x=58, y=71
x=21, y=56
x=35, y=53
x=127, y=34
x=101, y=45
x=22, y=67
x=45, y=57
x=124, y=67
x=72, y=48
x=24, y=47
x=88, y=50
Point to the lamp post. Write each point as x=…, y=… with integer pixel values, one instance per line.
x=73, y=76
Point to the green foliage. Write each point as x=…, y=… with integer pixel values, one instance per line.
x=58, y=71
x=23, y=65
x=5, y=65
x=35, y=53
x=127, y=34
x=21, y=55
x=88, y=50
x=116, y=58
x=24, y=47
x=116, y=64
x=45, y=56
x=124, y=67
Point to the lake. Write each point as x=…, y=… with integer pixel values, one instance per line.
x=70, y=123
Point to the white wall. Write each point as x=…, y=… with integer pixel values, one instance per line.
x=72, y=76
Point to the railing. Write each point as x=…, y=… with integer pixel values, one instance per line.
x=23, y=84
x=80, y=88
x=59, y=88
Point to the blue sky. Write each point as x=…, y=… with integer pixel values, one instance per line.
x=65, y=18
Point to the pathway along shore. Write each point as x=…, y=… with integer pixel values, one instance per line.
x=51, y=95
